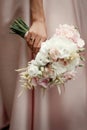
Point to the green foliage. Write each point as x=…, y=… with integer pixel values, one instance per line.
x=19, y=27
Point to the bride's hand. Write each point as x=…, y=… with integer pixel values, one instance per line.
x=36, y=35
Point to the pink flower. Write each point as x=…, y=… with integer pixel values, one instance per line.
x=71, y=33
x=68, y=31
x=34, y=81
x=54, y=54
x=69, y=75
x=43, y=82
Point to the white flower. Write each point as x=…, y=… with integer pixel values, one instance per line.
x=33, y=62
x=44, y=47
x=80, y=43
x=70, y=32
x=63, y=45
x=41, y=59
x=59, y=68
x=33, y=70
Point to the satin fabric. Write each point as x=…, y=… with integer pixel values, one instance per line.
x=32, y=110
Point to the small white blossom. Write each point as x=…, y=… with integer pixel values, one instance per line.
x=33, y=70
x=41, y=59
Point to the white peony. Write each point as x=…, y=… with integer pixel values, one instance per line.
x=44, y=47
x=41, y=59
x=63, y=45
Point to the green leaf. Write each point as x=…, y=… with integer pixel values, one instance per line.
x=81, y=65
x=82, y=58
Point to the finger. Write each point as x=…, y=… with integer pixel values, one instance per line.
x=36, y=42
x=38, y=47
x=27, y=37
x=33, y=55
x=30, y=39
x=39, y=44
x=41, y=40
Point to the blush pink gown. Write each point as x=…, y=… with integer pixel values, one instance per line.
x=32, y=111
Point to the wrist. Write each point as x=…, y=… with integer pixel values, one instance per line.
x=41, y=20
x=37, y=17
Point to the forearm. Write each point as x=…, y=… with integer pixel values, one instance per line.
x=37, y=32
x=36, y=10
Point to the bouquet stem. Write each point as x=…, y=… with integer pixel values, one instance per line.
x=19, y=27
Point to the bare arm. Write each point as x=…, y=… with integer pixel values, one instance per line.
x=36, y=10
x=37, y=32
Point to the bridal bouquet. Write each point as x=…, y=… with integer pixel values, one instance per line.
x=57, y=60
